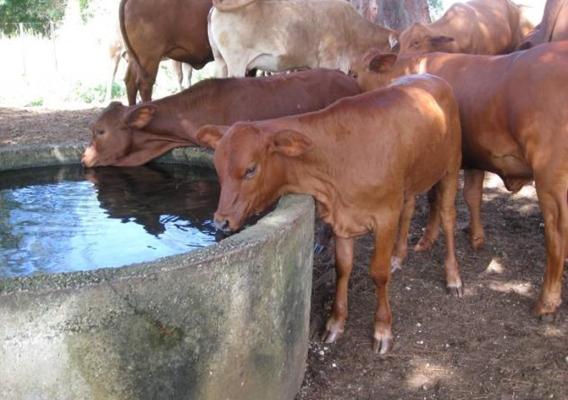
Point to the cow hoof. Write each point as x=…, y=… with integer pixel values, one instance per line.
x=547, y=318
x=545, y=308
x=382, y=345
x=423, y=244
x=331, y=336
x=478, y=242
x=454, y=290
x=396, y=264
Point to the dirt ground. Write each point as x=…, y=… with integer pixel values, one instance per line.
x=486, y=345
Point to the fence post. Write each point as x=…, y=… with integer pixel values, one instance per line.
x=52, y=34
x=21, y=30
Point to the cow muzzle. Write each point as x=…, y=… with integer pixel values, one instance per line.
x=89, y=158
x=222, y=224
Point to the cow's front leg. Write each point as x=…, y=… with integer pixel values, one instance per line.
x=472, y=194
x=343, y=265
x=380, y=271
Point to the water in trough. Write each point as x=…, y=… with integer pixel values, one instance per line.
x=59, y=219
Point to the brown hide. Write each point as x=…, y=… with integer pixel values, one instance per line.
x=514, y=123
x=474, y=27
x=363, y=159
x=553, y=27
x=133, y=135
x=153, y=29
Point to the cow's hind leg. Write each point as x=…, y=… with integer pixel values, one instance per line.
x=433, y=226
x=447, y=189
x=343, y=265
x=472, y=193
x=401, y=248
x=551, y=191
x=130, y=82
x=148, y=78
x=380, y=271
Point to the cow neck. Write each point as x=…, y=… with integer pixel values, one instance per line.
x=311, y=174
x=172, y=120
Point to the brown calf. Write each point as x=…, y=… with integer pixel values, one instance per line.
x=474, y=27
x=154, y=29
x=514, y=122
x=363, y=159
x=133, y=135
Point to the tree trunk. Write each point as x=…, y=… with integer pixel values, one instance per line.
x=394, y=14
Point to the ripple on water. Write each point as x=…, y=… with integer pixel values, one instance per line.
x=60, y=219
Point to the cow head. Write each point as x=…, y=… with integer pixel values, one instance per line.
x=419, y=39
x=113, y=132
x=376, y=69
x=250, y=162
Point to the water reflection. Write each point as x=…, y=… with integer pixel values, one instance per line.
x=67, y=219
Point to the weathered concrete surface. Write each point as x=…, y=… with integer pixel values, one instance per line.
x=226, y=322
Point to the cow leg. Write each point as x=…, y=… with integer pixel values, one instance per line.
x=115, y=60
x=433, y=226
x=146, y=82
x=447, y=190
x=188, y=73
x=472, y=193
x=343, y=265
x=380, y=271
x=401, y=248
x=238, y=69
x=552, y=200
x=130, y=81
x=178, y=71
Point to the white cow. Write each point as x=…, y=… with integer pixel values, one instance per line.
x=278, y=35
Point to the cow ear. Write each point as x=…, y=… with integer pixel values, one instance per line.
x=382, y=62
x=440, y=41
x=140, y=116
x=290, y=143
x=209, y=135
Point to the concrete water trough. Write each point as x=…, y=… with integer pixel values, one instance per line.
x=229, y=321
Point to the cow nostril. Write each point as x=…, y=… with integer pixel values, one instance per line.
x=222, y=224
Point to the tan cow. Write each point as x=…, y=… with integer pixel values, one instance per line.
x=553, y=27
x=134, y=135
x=514, y=123
x=154, y=29
x=474, y=27
x=278, y=35
x=362, y=165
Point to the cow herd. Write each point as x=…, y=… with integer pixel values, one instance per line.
x=412, y=111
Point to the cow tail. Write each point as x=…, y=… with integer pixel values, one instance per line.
x=127, y=43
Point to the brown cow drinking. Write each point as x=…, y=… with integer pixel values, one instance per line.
x=474, y=27
x=133, y=135
x=514, y=122
x=362, y=165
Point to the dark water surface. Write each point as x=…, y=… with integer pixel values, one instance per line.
x=57, y=219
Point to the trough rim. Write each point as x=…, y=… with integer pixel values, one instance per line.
x=290, y=211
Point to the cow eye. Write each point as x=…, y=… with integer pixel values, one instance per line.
x=250, y=171
x=100, y=131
